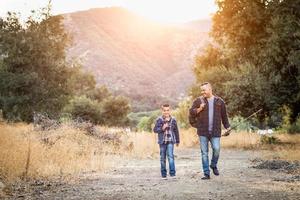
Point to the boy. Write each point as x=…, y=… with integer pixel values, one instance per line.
x=168, y=135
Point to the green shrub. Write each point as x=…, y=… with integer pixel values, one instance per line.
x=114, y=111
x=181, y=113
x=268, y=139
x=242, y=124
x=147, y=123
x=295, y=127
x=85, y=108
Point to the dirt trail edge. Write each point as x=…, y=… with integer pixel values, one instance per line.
x=140, y=179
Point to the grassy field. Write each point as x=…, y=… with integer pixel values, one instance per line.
x=29, y=153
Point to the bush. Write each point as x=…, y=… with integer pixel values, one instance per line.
x=242, y=124
x=266, y=139
x=181, y=113
x=147, y=123
x=115, y=111
x=295, y=127
x=286, y=125
x=85, y=108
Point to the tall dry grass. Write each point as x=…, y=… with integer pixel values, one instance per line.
x=287, y=149
x=72, y=153
x=24, y=152
x=241, y=140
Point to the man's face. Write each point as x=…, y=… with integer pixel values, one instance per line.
x=206, y=91
x=165, y=111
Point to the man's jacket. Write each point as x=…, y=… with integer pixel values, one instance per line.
x=220, y=115
x=160, y=133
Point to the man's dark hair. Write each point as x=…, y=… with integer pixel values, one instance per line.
x=205, y=83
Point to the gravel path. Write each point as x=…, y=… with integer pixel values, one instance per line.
x=140, y=179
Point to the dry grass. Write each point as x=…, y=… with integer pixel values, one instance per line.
x=241, y=140
x=288, y=149
x=70, y=151
x=189, y=138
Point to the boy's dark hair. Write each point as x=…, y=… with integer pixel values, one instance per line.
x=165, y=105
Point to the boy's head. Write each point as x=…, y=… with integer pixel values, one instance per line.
x=166, y=110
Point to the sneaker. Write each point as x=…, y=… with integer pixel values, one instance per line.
x=164, y=178
x=215, y=170
x=173, y=176
x=205, y=177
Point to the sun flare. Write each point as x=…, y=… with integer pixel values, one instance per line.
x=166, y=11
x=170, y=11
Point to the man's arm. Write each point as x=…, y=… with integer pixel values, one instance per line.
x=196, y=107
x=176, y=131
x=224, y=116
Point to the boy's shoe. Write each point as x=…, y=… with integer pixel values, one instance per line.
x=205, y=177
x=164, y=178
x=173, y=176
x=215, y=170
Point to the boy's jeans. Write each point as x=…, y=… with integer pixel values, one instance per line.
x=167, y=150
x=215, y=144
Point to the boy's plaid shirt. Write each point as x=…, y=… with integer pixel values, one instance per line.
x=161, y=133
x=168, y=134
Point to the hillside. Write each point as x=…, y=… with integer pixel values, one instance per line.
x=144, y=60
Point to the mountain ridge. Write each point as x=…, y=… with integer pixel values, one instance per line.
x=148, y=62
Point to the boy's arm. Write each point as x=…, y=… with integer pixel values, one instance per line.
x=158, y=126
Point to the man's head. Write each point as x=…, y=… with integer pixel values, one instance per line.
x=165, y=109
x=206, y=90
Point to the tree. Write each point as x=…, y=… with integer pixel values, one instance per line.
x=253, y=61
x=115, y=111
x=33, y=71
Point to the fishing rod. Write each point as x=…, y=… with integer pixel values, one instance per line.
x=228, y=131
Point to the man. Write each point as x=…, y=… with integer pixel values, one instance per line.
x=168, y=135
x=210, y=111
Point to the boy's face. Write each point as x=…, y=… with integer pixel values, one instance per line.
x=165, y=111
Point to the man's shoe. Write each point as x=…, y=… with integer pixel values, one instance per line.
x=215, y=170
x=205, y=177
x=164, y=178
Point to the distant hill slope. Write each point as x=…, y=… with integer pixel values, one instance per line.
x=133, y=56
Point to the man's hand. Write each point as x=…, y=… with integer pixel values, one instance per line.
x=177, y=144
x=227, y=132
x=200, y=108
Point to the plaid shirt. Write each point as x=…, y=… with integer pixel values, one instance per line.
x=220, y=115
x=168, y=135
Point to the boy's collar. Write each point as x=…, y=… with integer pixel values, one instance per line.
x=163, y=117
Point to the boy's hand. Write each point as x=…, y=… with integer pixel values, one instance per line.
x=165, y=126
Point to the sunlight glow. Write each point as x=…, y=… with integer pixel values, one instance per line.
x=167, y=11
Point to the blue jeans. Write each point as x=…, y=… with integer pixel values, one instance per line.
x=167, y=150
x=215, y=144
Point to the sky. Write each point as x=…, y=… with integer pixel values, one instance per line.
x=166, y=11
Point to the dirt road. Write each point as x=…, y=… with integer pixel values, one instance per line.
x=140, y=179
